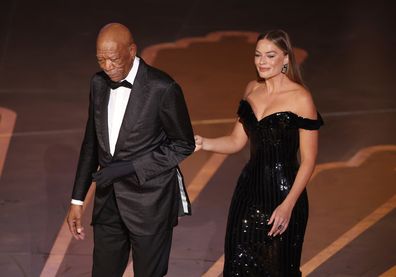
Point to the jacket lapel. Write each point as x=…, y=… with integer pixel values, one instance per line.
x=101, y=123
x=134, y=107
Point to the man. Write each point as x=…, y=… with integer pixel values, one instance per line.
x=137, y=133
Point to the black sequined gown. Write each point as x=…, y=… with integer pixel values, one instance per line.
x=263, y=184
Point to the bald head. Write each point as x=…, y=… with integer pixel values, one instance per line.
x=115, y=32
x=115, y=50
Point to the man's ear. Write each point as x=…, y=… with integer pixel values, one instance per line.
x=133, y=49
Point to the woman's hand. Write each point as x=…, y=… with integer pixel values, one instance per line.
x=280, y=219
x=198, y=142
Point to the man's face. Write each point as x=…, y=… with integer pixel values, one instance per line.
x=115, y=59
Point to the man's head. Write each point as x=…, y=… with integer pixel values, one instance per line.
x=115, y=51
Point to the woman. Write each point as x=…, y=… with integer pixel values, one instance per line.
x=269, y=209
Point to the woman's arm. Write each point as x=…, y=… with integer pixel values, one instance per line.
x=224, y=145
x=227, y=144
x=308, y=151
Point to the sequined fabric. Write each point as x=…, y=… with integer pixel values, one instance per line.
x=263, y=184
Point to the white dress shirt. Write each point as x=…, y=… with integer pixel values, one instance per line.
x=117, y=105
x=116, y=110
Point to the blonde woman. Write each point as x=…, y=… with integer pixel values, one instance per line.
x=269, y=209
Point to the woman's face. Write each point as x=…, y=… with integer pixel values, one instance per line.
x=269, y=59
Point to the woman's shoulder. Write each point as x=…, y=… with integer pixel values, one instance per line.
x=304, y=107
x=297, y=89
x=302, y=94
x=250, y=88
x=303, y=102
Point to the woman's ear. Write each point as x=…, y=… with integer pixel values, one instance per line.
x=286, y=59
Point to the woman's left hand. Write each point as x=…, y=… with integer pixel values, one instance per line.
x=280, y=219
x=198, y=142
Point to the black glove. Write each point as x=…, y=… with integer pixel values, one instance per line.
x=113, y=171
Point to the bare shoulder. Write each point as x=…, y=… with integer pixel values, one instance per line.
x=250, y=88
x=303, y=102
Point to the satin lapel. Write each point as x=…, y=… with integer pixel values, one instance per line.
x=101, y=122
x=134, y=107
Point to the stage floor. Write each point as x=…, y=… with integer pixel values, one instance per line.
x=47, y=56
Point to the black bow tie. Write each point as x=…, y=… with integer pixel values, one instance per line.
x=115, y=85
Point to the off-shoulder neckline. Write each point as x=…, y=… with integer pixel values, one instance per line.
x=271, y=114
x=279, y=112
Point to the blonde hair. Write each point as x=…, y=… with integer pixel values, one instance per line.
x=281, y=39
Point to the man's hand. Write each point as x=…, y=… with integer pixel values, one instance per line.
x=113, y=171
x=74, y=222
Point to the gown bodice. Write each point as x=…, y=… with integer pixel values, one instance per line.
x=274, y=139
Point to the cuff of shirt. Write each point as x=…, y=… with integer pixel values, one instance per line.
x=77, y=202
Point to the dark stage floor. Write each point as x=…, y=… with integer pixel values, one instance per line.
x=47, y=56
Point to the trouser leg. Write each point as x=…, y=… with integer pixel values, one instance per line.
x=150, y=254
x=111, y=242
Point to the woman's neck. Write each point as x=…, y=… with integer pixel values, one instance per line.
x=276, y=83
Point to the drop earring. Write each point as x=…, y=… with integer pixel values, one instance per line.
x=285, y=68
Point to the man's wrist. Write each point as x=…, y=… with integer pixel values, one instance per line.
x=77, y=202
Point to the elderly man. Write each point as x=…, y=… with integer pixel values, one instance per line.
x=138, y=131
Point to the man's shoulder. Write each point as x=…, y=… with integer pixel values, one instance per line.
x=155, y=74
x=99, y=76
x=98, y=84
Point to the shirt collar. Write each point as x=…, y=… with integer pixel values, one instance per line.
x=132, y=73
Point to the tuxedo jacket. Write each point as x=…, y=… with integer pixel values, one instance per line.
x=156, y=135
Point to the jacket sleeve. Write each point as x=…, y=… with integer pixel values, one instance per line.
x=88, y=161
x=180, y=143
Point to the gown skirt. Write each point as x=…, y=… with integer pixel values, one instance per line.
x=263, y=184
